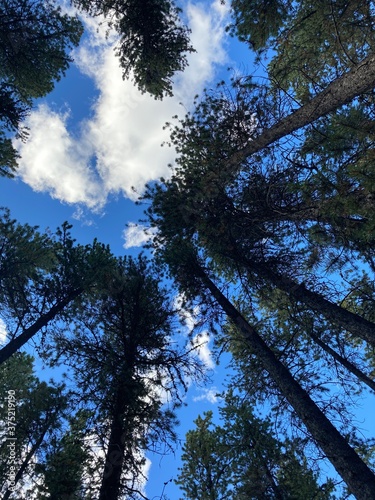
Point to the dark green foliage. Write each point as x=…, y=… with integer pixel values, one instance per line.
x=65, y=461
x=206, y=468
x=311, y=41
x=153, y=42
x=35, y=38
x=258, y=21
x=269, y=214
x=242, y=459
x=123, y=359
x=41, y=275
x=38, y=410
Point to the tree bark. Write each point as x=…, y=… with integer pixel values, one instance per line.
x=351, y=322
x=341, y=91
x=356, y=474
x=15, y=344
x=344, y=362
x=115, y=454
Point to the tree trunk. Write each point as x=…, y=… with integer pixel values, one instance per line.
x=344, y=362
x=341, y=91
x=351, y=322
x=115, y=453
x=13, y=346
x=356, y=474
x=27, y=459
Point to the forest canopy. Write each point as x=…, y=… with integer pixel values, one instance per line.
x=263, y=234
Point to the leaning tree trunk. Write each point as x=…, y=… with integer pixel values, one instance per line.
x=344, y=362
x=341, y=91
x=356, y=474
x=339, y=316
x=26, y=461
x=15, y=344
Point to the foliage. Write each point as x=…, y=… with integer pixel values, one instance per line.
x=278, y=219
x=343, y=37
x=30, y=414
x=242, y=459
x=41, y=275
x=35, y=37
x=153, y=42
x=125, y=366
x=66, y=457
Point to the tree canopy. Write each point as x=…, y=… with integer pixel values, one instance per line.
x=35, y=41
x=265, y=226
x=266, y=217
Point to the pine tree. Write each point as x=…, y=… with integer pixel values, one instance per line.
x=41, y=275
x=124, y=362
x=153, y=41
x=32, y=411
x=242, y=459
x=35, y=38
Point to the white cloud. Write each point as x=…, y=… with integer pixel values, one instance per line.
x=118, y=147
x=209, y=395
x=201, y=342
x=208, y=38
x=3, y=332
x=54, y=161
x=135, y=235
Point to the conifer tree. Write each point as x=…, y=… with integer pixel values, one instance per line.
x=35, y=40
x=126, y=365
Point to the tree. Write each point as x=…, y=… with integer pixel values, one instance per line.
x=41, y=275
x=242, y=458
x=31, y=414
x=254, y=217
x=126, y=365
x=344, y=35
x=34, y=43
x=206, y=210
x=66, y=459
x=153, y=42
x=334, y=445
x=206, y=463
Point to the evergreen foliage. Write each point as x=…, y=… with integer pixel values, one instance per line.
x=153, y=42
x=35, y=38
x=243, y=459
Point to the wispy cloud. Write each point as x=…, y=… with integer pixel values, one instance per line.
x=208, y=394
x=201, y=343
x=3, y=332
x=118, y=146
x=136, y=235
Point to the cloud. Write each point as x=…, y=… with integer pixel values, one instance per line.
x=210, y=395
x=117, y=148
x=201, y=342
x=3, y=332
x=208, y=39
x=136, y=235
x=54, y=161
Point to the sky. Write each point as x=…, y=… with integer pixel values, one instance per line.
x=93, y=144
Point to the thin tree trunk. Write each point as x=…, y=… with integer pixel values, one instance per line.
x=344, y=362
x=15, y=344
x=356, y=474
x=27, y=459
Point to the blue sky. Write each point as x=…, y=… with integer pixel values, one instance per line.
x=94, y=138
